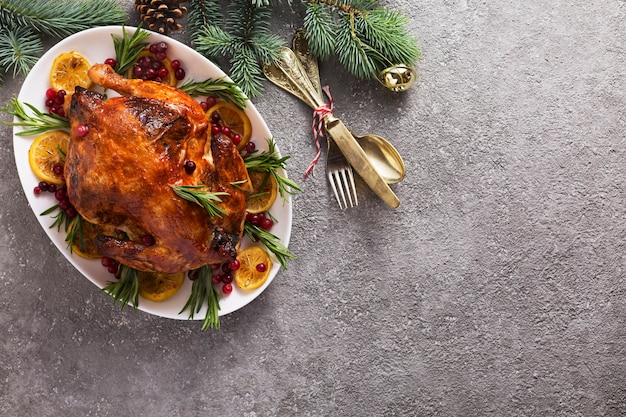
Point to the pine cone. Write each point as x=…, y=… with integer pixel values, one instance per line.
x=161, y=15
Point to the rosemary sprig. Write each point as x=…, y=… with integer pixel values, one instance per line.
x=75, y=230
x=270, y=162
x=218, y=88
x=197, y=194
x=270, y=241
x=126, y=289
x=35, y=122
x=202, y=289
x=128, y=49
x=60, y=218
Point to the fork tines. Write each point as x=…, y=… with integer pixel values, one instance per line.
x=342, y=183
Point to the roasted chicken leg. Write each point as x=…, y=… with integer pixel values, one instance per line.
x=121, y=172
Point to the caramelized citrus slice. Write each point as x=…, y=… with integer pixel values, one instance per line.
x=47, y=151
x=68, y=71
x=159, y=286
x=263, y=192
x=233, y=117
x=254, y=269
x=84, y=240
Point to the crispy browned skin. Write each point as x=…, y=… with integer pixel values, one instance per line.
x=121, y=171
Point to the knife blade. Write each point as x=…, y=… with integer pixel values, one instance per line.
x=358, y=159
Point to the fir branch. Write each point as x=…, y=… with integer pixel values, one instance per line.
x=218, y=88
x=366, y=38
x=126, y=289
x=60, y=18
x=202, y=14
x=35, y=122
x=19, y=50
x=197, y=194
x=321, y=28
x=270, y=241
x=270, y=162
x=128, y=49
x=202, y=289
x=246, y=41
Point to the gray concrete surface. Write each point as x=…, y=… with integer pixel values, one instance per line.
x=496, y=289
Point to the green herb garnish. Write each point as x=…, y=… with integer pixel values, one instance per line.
x=218, y=88
x=270, y=162
x=126, y=289
x=197, y=194
x=35, y=121
x=128, y=49
x=202, y=289
x=270, y=241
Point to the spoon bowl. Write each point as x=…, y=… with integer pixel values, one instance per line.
x=384, y=157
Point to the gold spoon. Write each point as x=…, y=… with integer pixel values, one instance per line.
x=382, y=155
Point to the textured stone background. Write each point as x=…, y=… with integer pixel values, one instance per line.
x=497, y=288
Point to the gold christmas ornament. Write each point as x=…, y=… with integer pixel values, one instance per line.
x=161, y=15
x=398, y=77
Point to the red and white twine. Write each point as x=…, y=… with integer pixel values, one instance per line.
x=319, y=115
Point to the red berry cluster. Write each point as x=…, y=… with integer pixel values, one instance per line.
x=218, y=127
x=153, y=69
x=55, y=100
x=110, y=264
x=60, y=193
x=261, y=220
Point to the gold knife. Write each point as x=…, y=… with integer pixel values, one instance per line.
x=358, y=159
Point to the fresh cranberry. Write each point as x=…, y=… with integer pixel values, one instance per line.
x=225, y=268
x=226, y=130
x=250, y=146
x=236, y=138
x=175, y=64
x=204, y=106
x=266, y=224
x=215, y=129
x=160, y=56
x=64, y=204
x=179, y=74
x=51, y=93
x=71, y=212
x=261, y=267
x=81, y=130
x=60, y=194
x=110, y=61
x=52, y=188
x=112, y=269
x=215, y=117
x=57, y=169
x=190, y=167
x=211, y=101
x=37, y=190
x=234, y=265
x=255, y=219
x=216, y=278
x=43, y=185
x=227, y=278
x=227, y=288
x=161, y=47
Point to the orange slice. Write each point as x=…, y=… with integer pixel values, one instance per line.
x=47, y=151
x=84, y=243
x=263, y=195
x=235, y=118
x=254, y=269
x=169, y=79
x=159, y=286
x=68, y=71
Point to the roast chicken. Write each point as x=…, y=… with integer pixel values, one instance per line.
x=121, y=173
